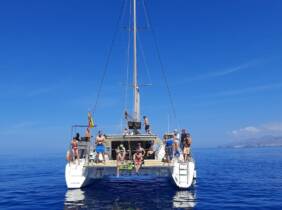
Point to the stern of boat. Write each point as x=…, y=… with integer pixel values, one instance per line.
x=76, y=175
x=183, y=173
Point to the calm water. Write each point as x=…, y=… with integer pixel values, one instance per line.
x=227, y=179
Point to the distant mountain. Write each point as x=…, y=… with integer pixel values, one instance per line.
x=265, y=141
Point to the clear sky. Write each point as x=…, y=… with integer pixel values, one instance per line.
x=223, y=60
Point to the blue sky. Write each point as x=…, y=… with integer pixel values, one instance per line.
x=223, y=60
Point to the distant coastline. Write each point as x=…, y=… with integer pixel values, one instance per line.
x=265, y=141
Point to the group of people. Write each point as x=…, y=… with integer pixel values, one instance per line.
x=173, y=144
x=100, y=148
x=138, y=156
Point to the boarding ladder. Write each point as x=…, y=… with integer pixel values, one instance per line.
x=183, y=172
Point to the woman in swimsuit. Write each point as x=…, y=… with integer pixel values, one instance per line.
x=186, y=151
x=74, y=144
x=138, y=158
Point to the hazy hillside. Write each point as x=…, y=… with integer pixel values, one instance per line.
x=265, y=141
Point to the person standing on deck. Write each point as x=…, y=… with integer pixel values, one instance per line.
x=74, y=145
x=187, y=147
x=138, y=157
x=182, y=138
x=121, y=152
x=175, y=145
x=176, y=135
x=100, y=147
x=87, y=134
x=146, y=124
x=168, y=148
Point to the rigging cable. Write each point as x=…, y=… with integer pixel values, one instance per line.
x=128, y=61
x=122, y=10
x=144, y=60
x=161, y=63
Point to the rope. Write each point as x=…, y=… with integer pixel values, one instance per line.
x=161, y=64
x=108, y=57
x=144, y=59
x=128, y=62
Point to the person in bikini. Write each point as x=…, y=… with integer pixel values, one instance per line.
x=74, y=145
x=138, y=157
x=186, y=149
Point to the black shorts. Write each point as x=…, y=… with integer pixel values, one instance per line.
x=147, y=127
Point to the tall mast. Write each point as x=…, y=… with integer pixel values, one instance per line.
x=135, y=83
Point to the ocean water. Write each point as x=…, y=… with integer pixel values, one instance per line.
x=227, y=179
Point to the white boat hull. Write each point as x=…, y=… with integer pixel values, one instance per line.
x=79, y=175
x=183, y=174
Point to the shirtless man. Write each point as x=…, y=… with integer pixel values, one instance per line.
x=100, y=147
x=146, y=124
x=87, y=134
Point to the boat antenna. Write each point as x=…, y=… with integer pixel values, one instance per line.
x=135, y=82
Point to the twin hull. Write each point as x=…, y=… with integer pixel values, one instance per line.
x=79, y=175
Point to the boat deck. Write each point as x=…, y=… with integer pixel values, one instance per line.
x=113, y=163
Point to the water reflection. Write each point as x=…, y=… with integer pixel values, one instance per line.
x=126, y=195
x=184, y=199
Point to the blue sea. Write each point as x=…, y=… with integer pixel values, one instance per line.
x=227, y=179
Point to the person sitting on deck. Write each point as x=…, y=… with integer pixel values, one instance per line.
x=138, y=157
x=121, y=152
x=140, y=148
x=74, y=145
x=146, y=124
x=100, y=147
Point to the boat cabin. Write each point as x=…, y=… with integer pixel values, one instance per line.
x=129, y=141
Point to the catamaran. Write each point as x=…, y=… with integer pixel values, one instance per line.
x=90, y=166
